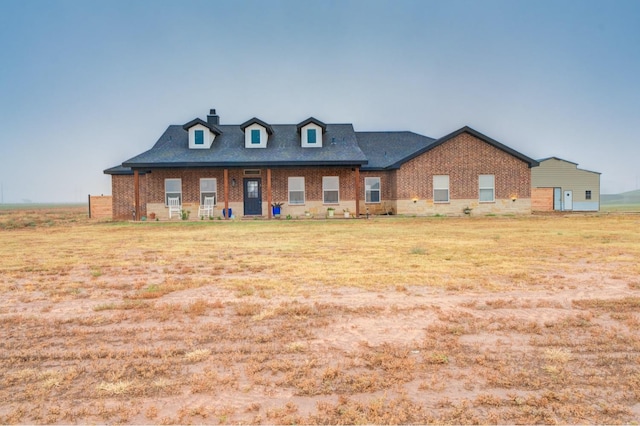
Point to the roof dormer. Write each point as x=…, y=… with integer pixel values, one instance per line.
x=311, y=132
x=201, y=134
x=256, y=133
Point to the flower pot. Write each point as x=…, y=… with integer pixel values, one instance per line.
x=275, y=210
x=330, y=213
x=347, y=215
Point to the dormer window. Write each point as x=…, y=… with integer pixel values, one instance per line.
x=311, y=132
x=311, y=135
x=256, y=133
x=201, y=134
x=255, y=136
x=198, y=137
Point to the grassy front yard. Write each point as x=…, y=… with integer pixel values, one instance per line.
x=389, y=320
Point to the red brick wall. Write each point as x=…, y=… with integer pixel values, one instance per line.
x=464, y=158
x=122, y=191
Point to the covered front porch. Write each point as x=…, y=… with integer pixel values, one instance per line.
x=249, y=192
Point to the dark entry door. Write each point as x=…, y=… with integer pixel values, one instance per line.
x=252, y=197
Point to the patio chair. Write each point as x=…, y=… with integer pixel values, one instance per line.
x=174, y=205
x=206, y=209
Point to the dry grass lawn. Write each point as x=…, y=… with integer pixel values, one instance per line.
x=388, y=320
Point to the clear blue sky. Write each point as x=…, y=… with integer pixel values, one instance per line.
x=85, y=85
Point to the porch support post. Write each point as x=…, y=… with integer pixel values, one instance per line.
x=226, y=193
x=269, y=193
x=357, y=186
x=136, y=193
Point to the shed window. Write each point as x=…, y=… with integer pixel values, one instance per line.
x=330, y=189
x=255, y=136
x=172, y=188
x=198, y=137
x=587, y=195
x=441, y=189
x=486, y=188
x=208, y=188
x=296, y=190
x=372, y=189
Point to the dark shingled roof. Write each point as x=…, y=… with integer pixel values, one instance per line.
x=388, y=150
x=119, y=170
x=340, y=147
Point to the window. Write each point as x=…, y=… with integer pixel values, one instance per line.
x=311, y=135
x=487, y=188
x=198, y=137
x=330, y=189
x=172, y=188
x=208, y=188
x=587, y=195
x=372, y=189
x=296, y=190
x=255, y=136
x=441, y=189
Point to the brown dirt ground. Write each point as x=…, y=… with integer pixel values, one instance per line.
x=344, y=329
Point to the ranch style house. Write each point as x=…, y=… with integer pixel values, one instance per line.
x=213, y=169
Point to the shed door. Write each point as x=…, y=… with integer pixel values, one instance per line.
x=557, y=198
x=252, y=197
x=568, y=200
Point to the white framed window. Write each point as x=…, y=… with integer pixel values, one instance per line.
x=296, y=190
x=441, y=189
x=487, y=189
x=208, y=188
x=330, y=189
x=172, y=188
x=372, y=189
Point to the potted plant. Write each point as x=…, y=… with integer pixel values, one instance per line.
x=466, y=210
x=347, y=215
x=330, y=211
x=276, y=208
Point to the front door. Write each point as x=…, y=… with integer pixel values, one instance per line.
x=568, y=200
x=252, y=197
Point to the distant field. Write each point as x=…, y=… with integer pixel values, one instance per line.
x=392, y=320
x=41, y=206
x=620, y=207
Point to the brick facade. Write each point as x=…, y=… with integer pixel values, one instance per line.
x=123, y=194
x=463, y=159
